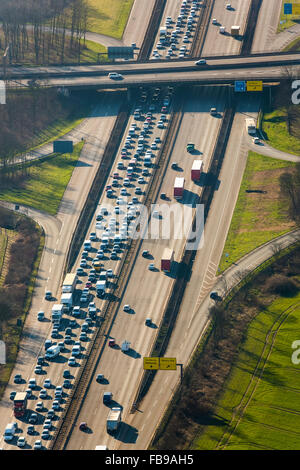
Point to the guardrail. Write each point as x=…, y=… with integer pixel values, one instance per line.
x=201, y=28
x=152, y=29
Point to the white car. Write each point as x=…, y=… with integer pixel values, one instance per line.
x=114, y=75
x=37, y=445
x=47, y=383
x=21, y=442
x=214, y=21
x=256, y=140
x=126, y=308
x=151, y=267
x=200, y=62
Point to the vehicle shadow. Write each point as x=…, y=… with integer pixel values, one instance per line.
x=128, y=434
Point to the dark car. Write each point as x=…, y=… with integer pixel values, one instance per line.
x=215, y=296
x=83, y=426
x=107, y=397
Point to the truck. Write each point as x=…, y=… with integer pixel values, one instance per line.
x=100, y=287
x=113, y=420
x=163, y=31
x=10, y=431
x=52, y=352
x=69, y=283
x=251, y=126
x=125, y=346
x=87, y=245
x=20, y=404
x=57, y=311
x=196, y=170
x=67, y=301
x=235, y=31
x=178, y=187
x=166, y=260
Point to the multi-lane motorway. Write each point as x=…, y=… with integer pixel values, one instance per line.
x=147, y=290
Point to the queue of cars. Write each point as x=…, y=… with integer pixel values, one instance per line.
x=112, y=238
x=176, y=43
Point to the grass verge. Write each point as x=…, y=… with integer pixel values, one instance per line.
x=109, y=18
x=286, y=21
x=276, y=133
x=258, y=216
x=259, y=408
x=46, y=182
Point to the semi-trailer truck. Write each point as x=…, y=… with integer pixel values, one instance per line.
x=67, y=301
x=113, y=420
x=178, y=188
x=196, y=170
x=166, y=260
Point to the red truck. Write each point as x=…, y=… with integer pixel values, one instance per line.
x=196, y=170
x=20, y=404
x=178, y=188
x=166, y=260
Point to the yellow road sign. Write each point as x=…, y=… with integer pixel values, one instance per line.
x=167, y=363
x=296, y=8
x=151, y=363
x=254, y=85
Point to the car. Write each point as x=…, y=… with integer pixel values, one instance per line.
x=93, y=236
x=107, y=398
x=83, y=426
x=30, y=430
x=83, y=263
x=111, y=343
x=47, y=383
x=67, y=383
x=99, y=217
x=54, y=333
x=45, y=434
x=83, y=299
x=138, y=190
x=151, y=267
x=148, y=322
x=145, y=253
x=214, y=21
x=68, y=339
x=47, y=424
x=83, y=336
x=88, y=284
x=48, y=295
x=37, y=445
x=99, y=377
x=256, y=140
x=51, y=414
x=28, y=392
x=39, y=406
x=12, y=395
x=38, y=369
x=18, y=379
x=21, y=442
x=141, y=180
x=200, y=62
x=43, y=394
x=114, y=76
x=40, y=315
x=228, y=6
x=72, y=361
x=79, y=271
x=126, y=308
x=56, y=405
x=61, y=345
x=33, y=418
x=214, y=295
x=160, y=125
x=40, y=360
x=32, y=383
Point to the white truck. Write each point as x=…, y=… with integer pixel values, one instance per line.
x=10, y=431
x=52, y=352
x=69, y=283
x=125, y=346
x=100, y=287
x=67, y=301
x=163, y=31
x=251, y=126
x=57, y=311
x=113, y=420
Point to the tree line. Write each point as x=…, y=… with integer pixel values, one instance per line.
x=43, y=27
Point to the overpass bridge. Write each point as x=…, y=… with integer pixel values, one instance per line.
x=218, y=70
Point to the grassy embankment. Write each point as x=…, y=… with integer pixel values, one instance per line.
x=260, y=406
x=109, y=18
x=258, y=216
x=45, y=185
x=286, y=21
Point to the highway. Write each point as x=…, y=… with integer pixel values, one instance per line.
x=59, y=231
x=222, y=44
x=147, y=291
x=141, y=292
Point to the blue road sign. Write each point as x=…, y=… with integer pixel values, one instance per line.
x=240, y=86
x=288, y=8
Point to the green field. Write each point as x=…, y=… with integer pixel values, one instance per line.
x=46, y=183
x=109, y=17
x=261, y=402
x=276, y=133
x=258, y=217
